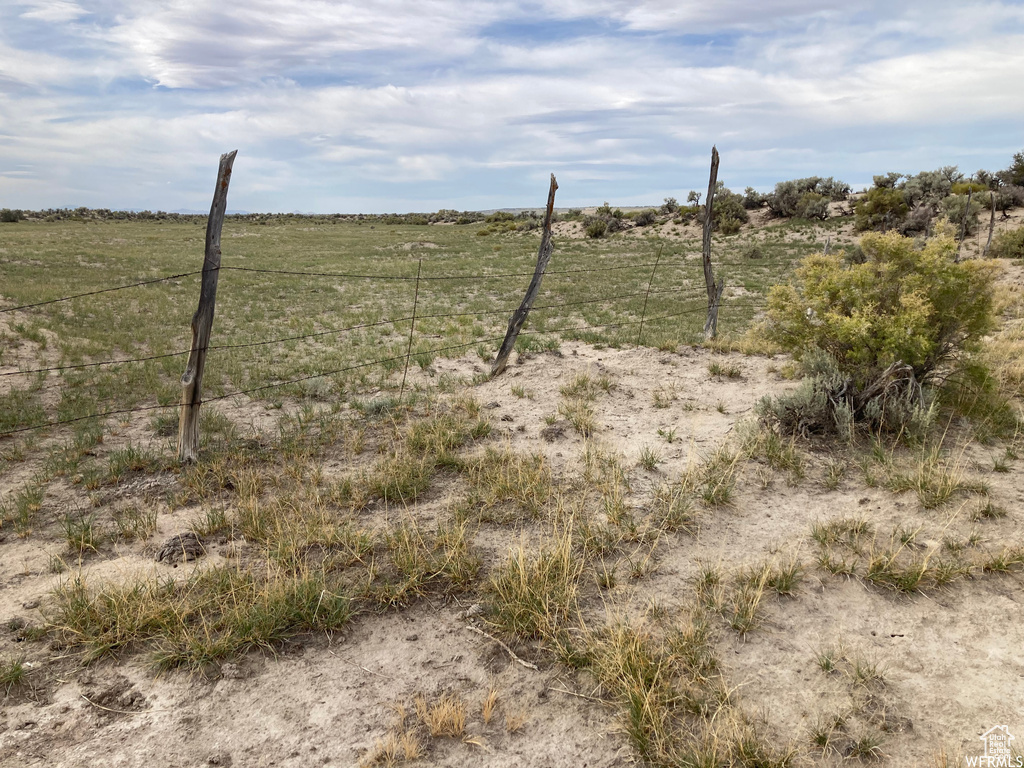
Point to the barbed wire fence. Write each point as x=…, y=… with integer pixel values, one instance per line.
x=420, y=279
x=606, y=300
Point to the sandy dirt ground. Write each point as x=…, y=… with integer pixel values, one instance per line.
x=952, y=657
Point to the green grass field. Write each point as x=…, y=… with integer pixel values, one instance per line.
x=41, y=261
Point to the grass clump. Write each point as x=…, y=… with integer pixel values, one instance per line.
x=714, y=480
x=21, y=508
x=673, y=509
x=532, y=596
x=81, y=532
x=444, y=717
x=13, y=674
x=400, y=478
x=21, y=408
x=675, y=706
x=580, y=415
x=211, y=616
x=1008, y=244
x=418, y=563
x=758, y=442
x=649, y=458
x=394, y=748
x=896, y=562
x=505, y=485
x=934, y=478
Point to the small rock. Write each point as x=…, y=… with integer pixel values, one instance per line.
x=507, y=417
x=412, y=638
x=493, y=404
x=181, y=548
x=30, y=604
x=553, y=432
x=231, y=672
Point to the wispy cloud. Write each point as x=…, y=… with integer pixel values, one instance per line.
x=471, y=104
x=53, y=10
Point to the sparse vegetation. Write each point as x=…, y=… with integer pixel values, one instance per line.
x=329, y=501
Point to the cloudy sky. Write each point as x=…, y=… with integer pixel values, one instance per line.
x=414, y=105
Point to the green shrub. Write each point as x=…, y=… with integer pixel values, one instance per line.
x=955, y=208
x=728, y=211
x=816, y=407
x=882, y=209
x=853, y=255
x=1008, y=245
x=835, y=190
x=888, y=180
x=727, y=225
x=918, y=220
x=915, y=307
x=10, y=216
x=974, y=187
x=1009, y=197
x=688, y=213
x=671, y=205
x=812, y=206
x=928, y=186
x=872, y=337
x=752, y=199
x=1015, y=173
x=595, y=227
x=789, y=196
x=645, y=218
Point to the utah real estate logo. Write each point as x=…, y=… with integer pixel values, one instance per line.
x=998, y=752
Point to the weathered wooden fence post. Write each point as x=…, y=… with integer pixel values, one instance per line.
x=202, y=320
x=991, y=222
x=515, y=324
x=714, y=290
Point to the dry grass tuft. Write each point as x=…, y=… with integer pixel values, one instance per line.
x=444, y=717
x=532, y=595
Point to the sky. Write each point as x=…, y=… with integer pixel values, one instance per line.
x=416, y=105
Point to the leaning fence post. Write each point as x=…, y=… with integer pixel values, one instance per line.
x=714, y=291
x=202, y=320
x=515, y=324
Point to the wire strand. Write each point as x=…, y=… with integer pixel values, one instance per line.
x=333, y=331
x=104, y=290
x=357, y=366
x=412, y=278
